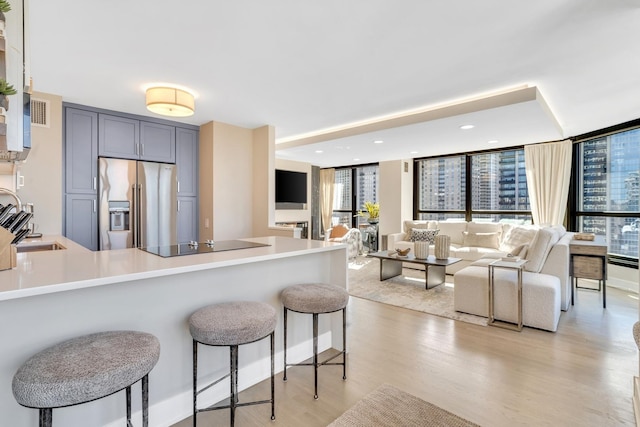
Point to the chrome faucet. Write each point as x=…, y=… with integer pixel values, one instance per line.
x=15, y=196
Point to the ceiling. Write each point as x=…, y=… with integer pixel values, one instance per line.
x=334, y=76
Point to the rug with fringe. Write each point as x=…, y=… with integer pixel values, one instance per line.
x=406, y=290
x=388, y=406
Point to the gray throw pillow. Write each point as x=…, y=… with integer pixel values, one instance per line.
x=420, y=235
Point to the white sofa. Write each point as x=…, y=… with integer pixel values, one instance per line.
x=546, y=284
x=476, y=232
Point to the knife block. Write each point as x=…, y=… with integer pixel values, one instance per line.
x=7, y=250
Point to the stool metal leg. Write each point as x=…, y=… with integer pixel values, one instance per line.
x=128, y=393
x=195, y=383
x=46, y=417
x=284, y=377
x=233, y=399
x=315, y=355
x=273, y=385
x=145, y=401
x=344, y=343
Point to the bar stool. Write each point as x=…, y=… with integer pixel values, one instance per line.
x=87, y=368
x=230, y=325
x=315, y=299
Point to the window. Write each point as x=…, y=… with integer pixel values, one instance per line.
x=608, y=191
x=495, y=182
x=353, y=186
x=441, y=187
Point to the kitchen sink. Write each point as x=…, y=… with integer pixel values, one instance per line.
x=38, y=246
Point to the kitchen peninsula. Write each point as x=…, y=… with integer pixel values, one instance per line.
x=55, y=295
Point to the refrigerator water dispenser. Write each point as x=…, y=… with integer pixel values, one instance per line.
x=119, y=215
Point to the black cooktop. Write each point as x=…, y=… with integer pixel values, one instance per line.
x=200, y=248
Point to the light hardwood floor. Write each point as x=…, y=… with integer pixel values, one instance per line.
x=581, y=375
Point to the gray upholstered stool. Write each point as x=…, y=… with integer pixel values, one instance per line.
x=315, y=299
x=87, y=368
x=230, y=325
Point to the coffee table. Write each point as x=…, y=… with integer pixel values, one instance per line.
x=434, y=269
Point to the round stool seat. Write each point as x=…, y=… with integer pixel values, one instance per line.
x=315, y=298
x=232, y=323
x=85, y=368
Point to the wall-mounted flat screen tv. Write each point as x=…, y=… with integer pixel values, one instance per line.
x=291, y=188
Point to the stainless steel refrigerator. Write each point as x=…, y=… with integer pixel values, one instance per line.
x=138, y=204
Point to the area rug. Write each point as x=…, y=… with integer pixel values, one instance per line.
x=388, y=406
x=406, y=290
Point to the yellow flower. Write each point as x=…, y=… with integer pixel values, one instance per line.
x=373, y=209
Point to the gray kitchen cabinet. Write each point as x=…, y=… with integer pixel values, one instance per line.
x=118, y=137
x=187, y=219
x=187, y=144
x=157, y=142
x=81, y=219
x=81, y=151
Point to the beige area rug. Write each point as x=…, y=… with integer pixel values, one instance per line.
x=406, y=290
x=388, y=406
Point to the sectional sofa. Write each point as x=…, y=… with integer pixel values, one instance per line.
x=546, y=284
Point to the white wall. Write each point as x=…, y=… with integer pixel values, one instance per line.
x=295, y=215
x=42, y=170
x=395, y=194
x=226, y=185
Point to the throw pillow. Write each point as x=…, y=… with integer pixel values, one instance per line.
x=338, y=231
x=481, y=240
x=539, y=249
x=518, y=236
x=520, y=251
x=421, y=235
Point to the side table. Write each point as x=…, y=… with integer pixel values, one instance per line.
x=510, y=265
x=588, y=260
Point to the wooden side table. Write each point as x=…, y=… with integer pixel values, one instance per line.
x=510, y=265
x=588, y=260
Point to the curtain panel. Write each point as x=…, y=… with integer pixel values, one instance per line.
x=548, y=168
x=327, y=181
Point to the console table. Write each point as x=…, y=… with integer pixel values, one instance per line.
x=588, y=260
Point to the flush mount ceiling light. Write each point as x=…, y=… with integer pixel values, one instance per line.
x=467, y=127
x=378, y=141
x=169, y=101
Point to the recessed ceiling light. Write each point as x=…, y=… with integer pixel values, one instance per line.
x=413, y=152
x=319, y=151
x=467, y=127
x=378, y=141
x=493, y=141
x=356, y=160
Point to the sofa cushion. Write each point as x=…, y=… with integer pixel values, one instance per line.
x=540, y=247
x=454, y=230
x=409, y=224
x=484, y=240
x=485, y=227
x=516, y=237
x=470, y=253
x=422, y=235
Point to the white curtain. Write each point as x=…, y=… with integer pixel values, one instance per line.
x=548, y=169
x=327, y=180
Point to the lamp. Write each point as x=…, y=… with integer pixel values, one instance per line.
x=170, y=101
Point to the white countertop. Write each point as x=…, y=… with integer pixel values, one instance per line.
x=76, y=267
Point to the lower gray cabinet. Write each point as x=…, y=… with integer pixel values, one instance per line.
x=81, y=219
x=187, y=219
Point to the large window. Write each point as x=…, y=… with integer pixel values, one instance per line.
x=489, y=186
x=354, y=186
x=608, y=191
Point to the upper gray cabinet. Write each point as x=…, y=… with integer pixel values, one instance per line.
x=187, y=160
x=126, y=138
x=119, y=137
x=81, y=151
x=157, y=142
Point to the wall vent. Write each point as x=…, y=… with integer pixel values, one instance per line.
x=40, y=112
